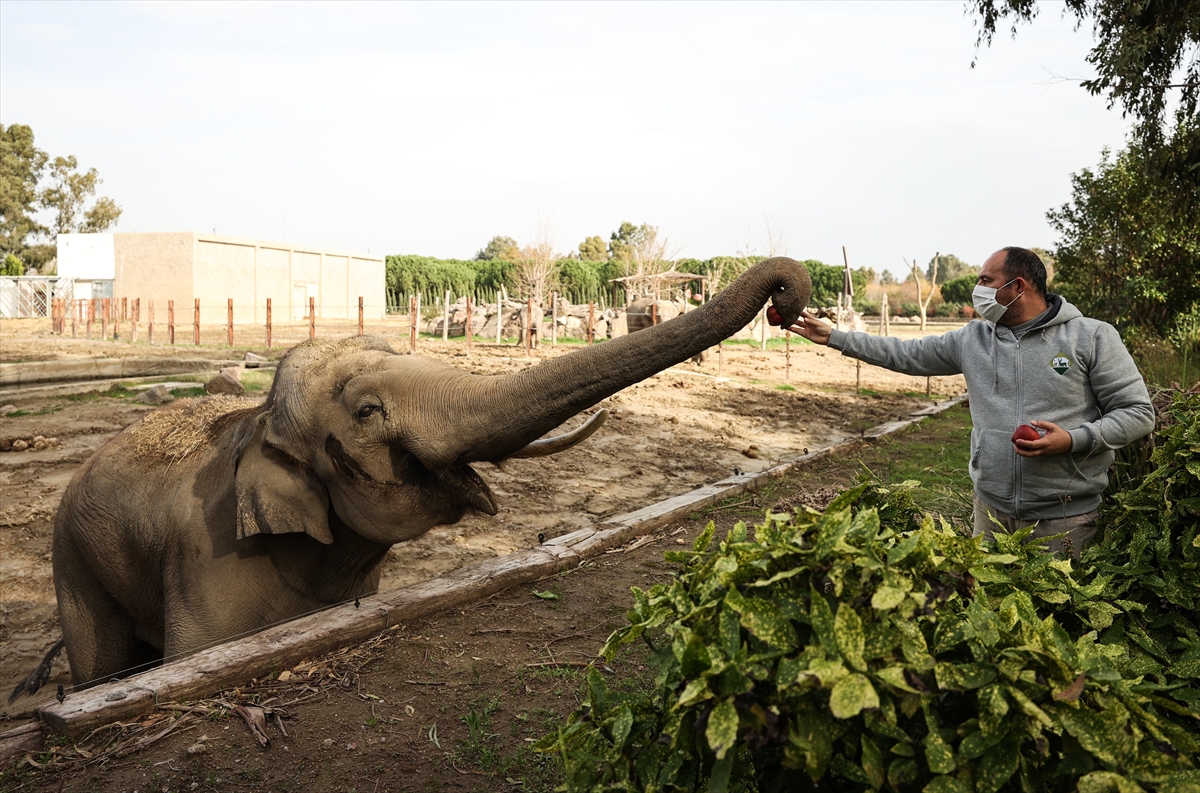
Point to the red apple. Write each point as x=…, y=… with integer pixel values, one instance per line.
x=773, y=316
x=1026, y=433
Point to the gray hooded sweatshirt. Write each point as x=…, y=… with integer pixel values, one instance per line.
x=1064, y=368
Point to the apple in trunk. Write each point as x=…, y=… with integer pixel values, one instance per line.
x=773, y=316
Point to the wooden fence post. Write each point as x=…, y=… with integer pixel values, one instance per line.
x=196, y=324
x=446, y=318
x=554, y=319
x=654, y=313
x=360, y=315
x=499, y=312
x=468, y=324
x=150, y=322
x=720, y=357
x=105, y=305
x=528, y=327
x=764, y=327
x=91, y=315
x=312, y=318
x=591, y=322
x=76, y=309
x=171, y=322
x=787, y=354
x=412, y=325
x=268, y=323
x=135, y=314
x=124, y=311
x=229, y=319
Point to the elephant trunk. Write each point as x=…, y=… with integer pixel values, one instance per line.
x=499, y=416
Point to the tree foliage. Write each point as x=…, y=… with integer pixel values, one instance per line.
x=66, y=197
x=1129, y=246
x=11, y=265
x=949, y=268
x=958, y=290
x=593, y=249
x=869, y=647
x=1145, y=56
x=497, y=248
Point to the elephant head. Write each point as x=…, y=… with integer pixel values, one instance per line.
x=386, y=441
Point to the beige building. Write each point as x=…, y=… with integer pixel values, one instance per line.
x=185, y=266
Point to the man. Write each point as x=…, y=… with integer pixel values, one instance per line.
x=1034, y=359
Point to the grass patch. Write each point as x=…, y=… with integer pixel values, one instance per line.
x=785, y=387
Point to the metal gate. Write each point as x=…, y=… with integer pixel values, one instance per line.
x=25, y=296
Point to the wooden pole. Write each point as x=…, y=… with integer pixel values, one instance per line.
x=171, y=321
x=196, y=323
x=764, y=327
x=591, y=322
x=268, y=323
x=105, y=305
x=124, y=311
x=360, y=315
x=554, y=319
x=76, y=308
x=883, y=315
x=928, y=386
x=91, y=315
x=654, y=313
x=135, y=314
x=412, y=324
x=528, y=327
x=787, y=346
x=446, y=318
x=469, y=325
x=499, y=311
x=720, y=358
x=312, y=318
x=150, y=322
x=229, y=320
x=857, y=377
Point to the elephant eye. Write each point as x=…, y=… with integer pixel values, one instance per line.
x=366, y=411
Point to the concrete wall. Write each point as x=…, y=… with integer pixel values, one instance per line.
x=184, y=266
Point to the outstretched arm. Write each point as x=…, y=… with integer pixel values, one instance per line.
x=932, y=355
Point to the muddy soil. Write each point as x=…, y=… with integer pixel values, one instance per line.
x=667, y=435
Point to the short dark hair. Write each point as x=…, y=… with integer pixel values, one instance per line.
x=1024, y=263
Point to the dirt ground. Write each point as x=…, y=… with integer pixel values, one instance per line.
x=671, y=433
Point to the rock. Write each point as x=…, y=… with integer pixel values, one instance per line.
x=253, y=360
x=39, y=439
x=224, y=383
x=6, y=409
x=156, y=395
x=197, y=748
x=751, y=452
x=233, y=371
x=19, y=445
x=52, y=442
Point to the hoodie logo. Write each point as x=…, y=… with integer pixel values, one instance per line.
x=1060, y=363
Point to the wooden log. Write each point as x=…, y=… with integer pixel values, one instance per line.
x=528, y=327
x=196, y=324
x=446, y=317
x=150, y=322
x=360, y=315
x=268, y=323
x=469, y=324
x=229, y=320
x=171, y=321
x=412, y=325
x=554, y=319
x=591, y=322
x=312, y=318
x=135, y=314
x=19, y=740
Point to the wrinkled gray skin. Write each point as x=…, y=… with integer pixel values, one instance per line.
x=290, y=505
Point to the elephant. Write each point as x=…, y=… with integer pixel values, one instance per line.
x=645, y=312
x=216, y=517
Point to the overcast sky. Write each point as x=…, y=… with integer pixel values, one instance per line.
x=429, y=128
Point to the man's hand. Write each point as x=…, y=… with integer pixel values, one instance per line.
x=812, y=329
x=1055, y=441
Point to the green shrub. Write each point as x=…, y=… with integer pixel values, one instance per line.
x=958, y=290
x=12, y=266
x=855, y=649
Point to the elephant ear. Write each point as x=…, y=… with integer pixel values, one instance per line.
x=276, y=493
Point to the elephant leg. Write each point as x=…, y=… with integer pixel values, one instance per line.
x=101, y=637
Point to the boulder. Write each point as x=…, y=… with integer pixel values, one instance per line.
x=225, y=383
x=253, y=360
x=6, y=409
x=157, y=395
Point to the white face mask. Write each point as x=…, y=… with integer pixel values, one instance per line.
x=984, y=298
